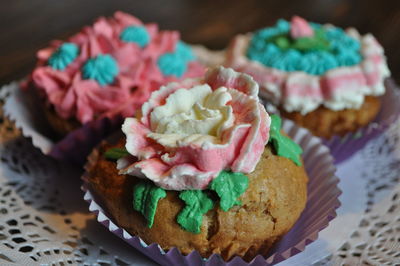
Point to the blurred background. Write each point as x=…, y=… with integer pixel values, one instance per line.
x=28, y=25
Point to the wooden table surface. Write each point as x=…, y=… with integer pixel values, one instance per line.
x=28, y=25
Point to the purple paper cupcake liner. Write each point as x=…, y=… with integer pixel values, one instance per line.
x=21, y=108
x=320, y=209
x=77, y=145
x=344, y=147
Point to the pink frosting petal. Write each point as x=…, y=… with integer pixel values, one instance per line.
x=195, y=69
x=91, y=96
x=103, y=27
x=222, y=155
x=127, y=64
x=179, y=177
x=126, y=19
x=55, y=84
x=257, y=137
x=137, y=142
x=227, y=77
x=162, y=43
x=144, y=73
x=45, y=54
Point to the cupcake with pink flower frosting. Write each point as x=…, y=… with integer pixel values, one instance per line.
x=202, y=167
x=108, y=69
x=324, y=78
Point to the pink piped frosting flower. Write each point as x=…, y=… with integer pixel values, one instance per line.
x=75, y=94
x=189, y=131
x=300, y=28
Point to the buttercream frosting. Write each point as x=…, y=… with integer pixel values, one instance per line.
x=145, y=200
x=197, y=204
x=318, y=51
x=102, y=68
x=136, y=34
x=338, y=78
x=189, y=131
x=176, y=63
x=229, y=187
x=194, y=115
x=63, y=56
x=113, y=70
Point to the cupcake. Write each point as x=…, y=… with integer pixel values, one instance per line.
x=324, y=78
x=107, y=69
x=203, y=167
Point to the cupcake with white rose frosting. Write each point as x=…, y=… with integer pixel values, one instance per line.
x=203, y=167
x=321, y=76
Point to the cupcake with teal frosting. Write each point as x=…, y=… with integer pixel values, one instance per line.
x=108, y=69
x=312, y=70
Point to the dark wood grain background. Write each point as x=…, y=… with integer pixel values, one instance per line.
x=28, y=25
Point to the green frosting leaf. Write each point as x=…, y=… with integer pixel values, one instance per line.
x=229, y=186
x=197, y=204
x=115, y=153
x=283, y=42
x=145, y=199
x=317, y=42
x=283, y=145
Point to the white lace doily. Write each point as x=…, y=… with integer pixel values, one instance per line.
x=44, y=219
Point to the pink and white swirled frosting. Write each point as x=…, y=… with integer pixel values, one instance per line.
x=189, y=131
x=75, y=96
x=339, y=88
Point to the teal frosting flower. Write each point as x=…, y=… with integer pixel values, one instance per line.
x=176, y=63
x=329, y=48
x=102, y=68
x=136, y=34
x=63, y=56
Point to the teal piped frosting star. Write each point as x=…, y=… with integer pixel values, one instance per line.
x=102, y=68
x=63, y=56
x=184, y=51
x=329, y=48
x=171, y=64
x=176, y=63
x=136, y=34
